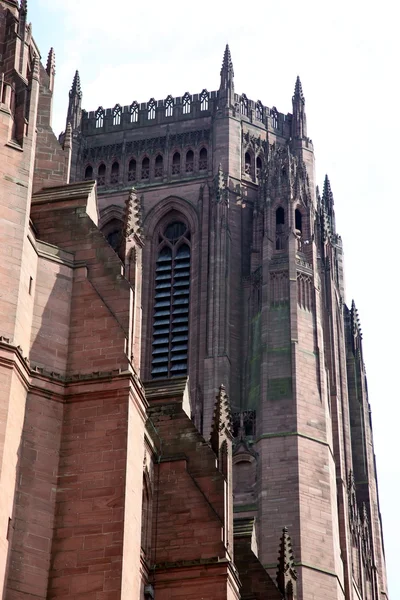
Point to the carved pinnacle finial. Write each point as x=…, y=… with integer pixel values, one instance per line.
x=286, y=570
x=133, y=215
x=327, y=196
x=36, y=67
x=76, y=86
x=227, y=65
x=24, y=6
x=222, y=419
x=298, y=90
x=68, y=136
x=51, y=63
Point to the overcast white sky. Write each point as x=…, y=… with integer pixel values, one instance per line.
x=347, y=55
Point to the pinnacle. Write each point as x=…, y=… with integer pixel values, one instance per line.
x=24, y=6
x=222, y=419
x=298, y=90
x=133, y=216
x=285, y=560
x=227, y=65
x=76, y=85
x=51, y=62
x=327, y=196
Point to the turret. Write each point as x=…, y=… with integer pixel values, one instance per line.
x=299, y=123
x=226, y=88
x=75, y=103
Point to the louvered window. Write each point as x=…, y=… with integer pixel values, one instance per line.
x=171, y=305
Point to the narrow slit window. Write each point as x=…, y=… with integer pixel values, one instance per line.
x=280, y=228
x=258, y=167
x=244, y=106
x=171, y=303
x=298, y=221
x=259, y=112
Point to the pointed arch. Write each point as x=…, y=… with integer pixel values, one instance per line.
x=151, y=109
x=99, y=117
x=244, y=105
x=114, y=179
x=159, y=166
x=169, y=106
x=117, y=114
x=204, y=96
x=134, y=112
x=101, y=175
x=89, y=173
x=203, y=159
x=186, y=103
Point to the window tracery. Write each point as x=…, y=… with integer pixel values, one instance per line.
x=117, y=113
x=176, y=164
x=145, y=168
x=158, y=166
x=189, y=167
x=247, y=163
x=186, y=103
x=132, y=170
x=101, y=175
x=171, y=307
x=151, y=109
x=204, y=100
x=169, y=106
x=203, y=160
x=99, y=117
x=114, y=172
x=134, y=112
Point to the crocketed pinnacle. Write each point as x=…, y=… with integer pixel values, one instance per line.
x=327, y=196
x=51, y=63
x=227, y=65
x=24, y=6
x=285, y=561
x=298, y=90
x=133, y=215
x=76, y=86
x=222, y=419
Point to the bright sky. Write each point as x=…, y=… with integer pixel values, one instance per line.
x=347, y=55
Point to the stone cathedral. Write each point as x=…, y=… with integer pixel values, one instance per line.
x=183, y=403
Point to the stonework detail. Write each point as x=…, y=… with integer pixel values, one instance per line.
x=127, y=469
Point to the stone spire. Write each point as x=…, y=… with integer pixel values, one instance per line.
x=76, y=86
x=74, y=114
x=226, y=88
x=286, y=574
x=299, y=123
x=327, y=196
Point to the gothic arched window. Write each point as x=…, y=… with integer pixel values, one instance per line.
x=204, y=100
x=117, y=112
x=186, y=102
x=132, y=170
x=151, y=109
x=145, y=168
x=274, y=118
x=176, y=164
x=298, y=220
x=189, y=167
x=171, y=306
x=169, y=106
x=101, y=175
x=114, y=172
x=134, y=112
x=99, y=117
x=203, y=161
x=158, y=166
x=88, y=173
